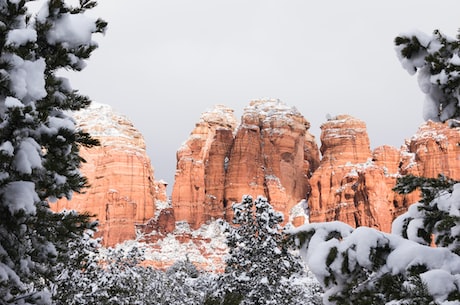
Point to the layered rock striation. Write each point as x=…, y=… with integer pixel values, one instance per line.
x=123, y=191
x=354, y=184
x=271, y=153
x=198, y=192
x=433, y=150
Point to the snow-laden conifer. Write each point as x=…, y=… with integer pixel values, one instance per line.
x=436, y=59
x=260, y=269
x=366, y=266
x=39, y=143
x=117, y=276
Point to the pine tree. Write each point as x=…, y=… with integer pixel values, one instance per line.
x=429, y=219
x=436, y=58
x=365, y=266
x=259, y=264
x=115, y=276
x=39, y=143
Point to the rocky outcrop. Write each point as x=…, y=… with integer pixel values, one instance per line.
x=205, y=247
x=347, y=176
x=198, y=192
x=354, y=185
x=271, y=154
x=433, y=150
x=123, y=190
x=344, y=139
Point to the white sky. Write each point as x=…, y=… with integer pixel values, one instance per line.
x=163, y=62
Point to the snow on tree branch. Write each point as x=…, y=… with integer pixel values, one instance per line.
x=437, y=61
x=366, y=266
x=39, y=145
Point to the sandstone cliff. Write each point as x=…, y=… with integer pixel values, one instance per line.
x=198, y=192
x=123, y=190
x=271, y=153
x=433, y=150
x=354, y=185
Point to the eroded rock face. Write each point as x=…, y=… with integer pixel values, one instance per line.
x=198, y=191
x=344, y=139
x=433, y=150
x=354, y=185
x=341, y=184
x=271, y=154
x=123, y=190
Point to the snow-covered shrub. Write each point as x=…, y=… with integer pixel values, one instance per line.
x=39, y=143
x=366, y=266
x=117, y=276
x=260, y=269
x=436, y=58
x=105, y=276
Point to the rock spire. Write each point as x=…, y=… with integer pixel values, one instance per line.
x=270, y=153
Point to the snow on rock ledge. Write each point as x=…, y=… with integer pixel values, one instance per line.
x=110, y=128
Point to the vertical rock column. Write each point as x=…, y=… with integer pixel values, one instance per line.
x=355, y=186
x=202, y=161
x=347, y=177
x=273, y=156
x=270, y=154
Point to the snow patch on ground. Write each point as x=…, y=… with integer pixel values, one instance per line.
x=205, y=247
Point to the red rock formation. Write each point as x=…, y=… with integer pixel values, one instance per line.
x=388, y=158
x=355, y=186
x=271, y=154
x=204, y=247
x=159, y=226
x=433, y=150
x=198, y=190
x=123, y=190
x=344, y=140
x=336, y=192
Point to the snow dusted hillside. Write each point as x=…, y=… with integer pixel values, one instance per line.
x=205, y=247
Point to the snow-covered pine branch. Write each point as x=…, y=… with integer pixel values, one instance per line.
x=366, y=266
x=39, y=143
x=436, y=59
x=260, y=269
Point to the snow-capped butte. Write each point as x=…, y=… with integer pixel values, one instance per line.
x=109, y=127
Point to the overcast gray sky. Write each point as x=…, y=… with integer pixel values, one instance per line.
x=163, y=62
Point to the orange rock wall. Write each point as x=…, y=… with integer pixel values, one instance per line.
x=433, y=150
x=271, y=154
x=354, y=185
x=198, y=192
x=123, y=190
